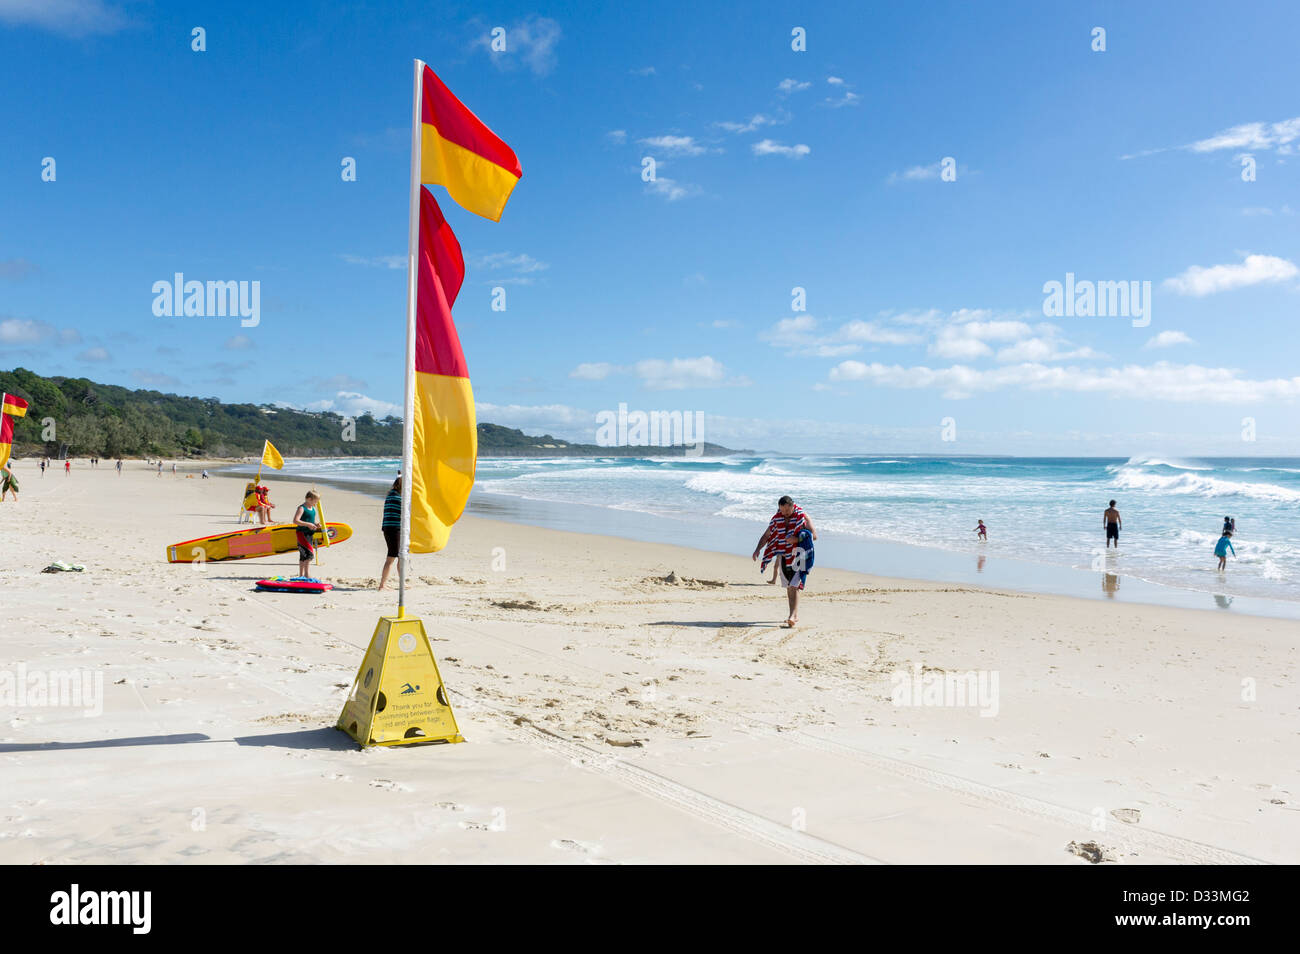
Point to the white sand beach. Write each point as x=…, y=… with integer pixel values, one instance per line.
x=623, y=702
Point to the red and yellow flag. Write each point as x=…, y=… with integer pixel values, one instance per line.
x=11, y=408
x=458, y=151
x=445, y=449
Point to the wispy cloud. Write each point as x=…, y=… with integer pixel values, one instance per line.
x=154, y=379
x=72, y=18
x=95, y=354
x=671, y=189
x=683, y=373
x=617, y=136
x=675, y=145
x=376, y=261
x=1254, y=270
x=1281, y=136
x=788, y=86
x=769, y=147
x=757, y=121
x=1159, y=382
x=802, y=335
x=529, y=42
x=643, y=71
x=1167, y=339
x=355, y=404
x=238, y=343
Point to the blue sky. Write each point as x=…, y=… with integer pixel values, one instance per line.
x=775, y=169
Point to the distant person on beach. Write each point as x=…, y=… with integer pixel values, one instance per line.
x=1221, y=550
x=982, y=530
x=119, y=467
x=391, y=526
x=264, y=505
x=794, y=569
x=159, y=468
x=1229, y=527
x=1112, y=523
x=43, y=463
x=307, y=519
x=67, y=467
x=173, y=468
x=789, y=518
x=8, y=483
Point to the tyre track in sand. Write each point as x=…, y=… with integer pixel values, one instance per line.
x=763, y=830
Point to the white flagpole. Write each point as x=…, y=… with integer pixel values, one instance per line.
x=408, y=418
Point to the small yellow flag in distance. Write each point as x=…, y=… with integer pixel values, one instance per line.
x=271, y=457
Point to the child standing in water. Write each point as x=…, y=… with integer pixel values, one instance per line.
x=307, y=520
x=1221, y=549
x=983, y=531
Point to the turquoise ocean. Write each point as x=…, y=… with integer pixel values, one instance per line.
x=915, y=516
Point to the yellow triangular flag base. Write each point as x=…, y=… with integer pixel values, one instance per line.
x=398, y=697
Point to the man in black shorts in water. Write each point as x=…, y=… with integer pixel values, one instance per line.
x=1113, y=523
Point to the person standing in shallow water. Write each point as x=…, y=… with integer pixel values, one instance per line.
x=1112, y=522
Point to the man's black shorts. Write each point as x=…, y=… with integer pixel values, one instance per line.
x=1112, y=531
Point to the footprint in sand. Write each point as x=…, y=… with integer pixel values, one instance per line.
x=388, y=785
x=336, y=777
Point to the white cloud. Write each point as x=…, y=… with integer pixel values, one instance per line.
x=671, y=189
x=24, y=331
x=835, y=81
x=94, y=354
x=915, y=174
x=1251, y=136
x=74, y=18
x=530, y=41
x=1167, y=339
x=849, y=98
x=354, y=404
x=1160, y=382
x=154, y=379
x=594, y=371
x=617, y=136
x=768, y=147
x=792, y=85
x=757, y=121
x=968, y=339
x=522, y=263
x=376, y=261
x=675, y=145
x=238, y=343
x=681, y=373
x=571, y=423
x=1255, y=270
x=799, y=335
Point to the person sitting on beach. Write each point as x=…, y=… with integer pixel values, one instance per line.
x=794, y=569
x=8, y=483
x=982, y=530
x=1110, y=519
x=1221, y=550
x=789, y=518
x=307, y=519
x=264, y=505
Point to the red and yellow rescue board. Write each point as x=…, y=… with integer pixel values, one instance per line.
x=249, y=543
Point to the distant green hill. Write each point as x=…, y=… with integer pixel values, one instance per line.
x=105, y=420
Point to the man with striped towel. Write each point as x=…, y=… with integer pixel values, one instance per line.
x=788, y=520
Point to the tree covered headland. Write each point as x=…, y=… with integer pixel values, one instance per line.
x=105, y=420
